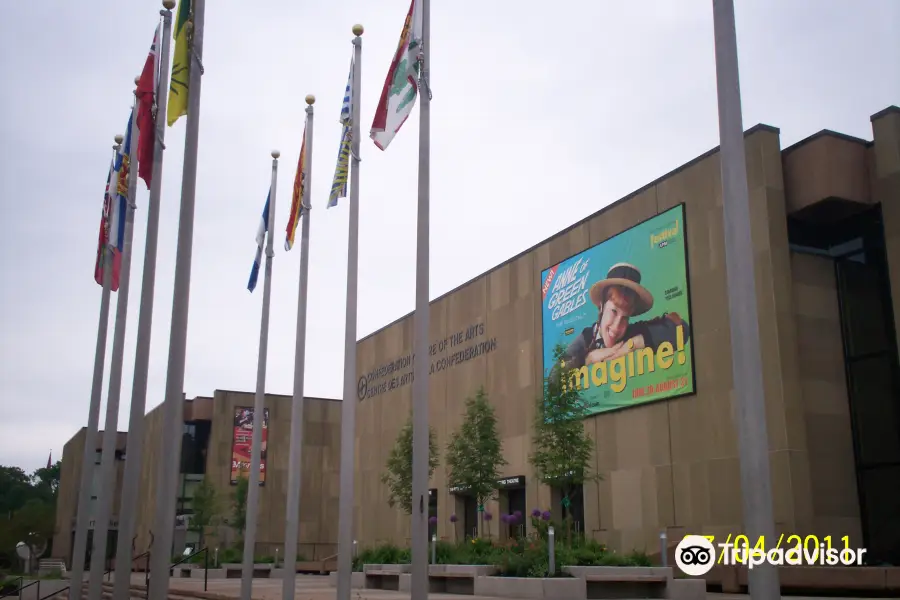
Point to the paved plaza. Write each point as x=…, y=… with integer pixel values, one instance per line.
x=316, y=587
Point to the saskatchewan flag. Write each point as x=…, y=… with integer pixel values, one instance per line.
x=181, y=65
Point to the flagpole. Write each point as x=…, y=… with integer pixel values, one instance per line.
x=135, y=447
x=170, y=440
x=348, y=409
x=259, y=400
x=292, y=524
x=750, y=417
x=114, y=392
x=90, y=436
x=419, y=571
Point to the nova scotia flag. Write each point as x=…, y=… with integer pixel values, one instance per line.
x=260, y=242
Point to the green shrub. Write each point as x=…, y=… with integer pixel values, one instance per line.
x=231, y=555
x=524, y=557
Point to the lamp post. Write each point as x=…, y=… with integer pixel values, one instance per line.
x=551, y=538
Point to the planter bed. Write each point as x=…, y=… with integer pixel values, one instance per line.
x=624, y=582
x=260, y=570
x=581, y=583
x=532, y=588
x=456, y=579
x=357, y=580
x=210, y=573
x=384, y=577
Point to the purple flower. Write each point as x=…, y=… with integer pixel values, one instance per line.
x=511, y=519
x=488, y=516
x=536, y=513
x=518, y=514
x=432, y=520
x=504, y=518
x=546, y=515
x=453, y=518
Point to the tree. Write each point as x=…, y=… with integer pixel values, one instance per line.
x=562, y=448
x=239, y=507
x=15, y=489
x=34, y=524
x=205, y=504
x=475, y=452
x=27, y=510
x=398, y=476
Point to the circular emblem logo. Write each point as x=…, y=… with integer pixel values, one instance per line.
x=695, y=555
x=361, y=386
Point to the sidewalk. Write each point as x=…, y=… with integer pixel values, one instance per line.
x=315, y=587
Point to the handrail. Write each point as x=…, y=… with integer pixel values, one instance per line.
x=183, y=559
x=22, y=586
x=60, y=591
x=18, y=589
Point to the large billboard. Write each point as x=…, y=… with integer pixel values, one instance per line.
x=242, y=444
x=621, y=312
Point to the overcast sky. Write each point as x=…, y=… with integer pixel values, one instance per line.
x=542, y=114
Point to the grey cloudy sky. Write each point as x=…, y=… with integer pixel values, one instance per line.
x=542, y=114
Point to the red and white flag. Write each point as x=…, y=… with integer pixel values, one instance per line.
x=402, y=84
x=146, y=124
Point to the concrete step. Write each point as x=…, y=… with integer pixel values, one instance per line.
x=137, y=592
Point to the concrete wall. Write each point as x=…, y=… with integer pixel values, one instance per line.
x=70, y=481
x=319, y=475
x=67, y=501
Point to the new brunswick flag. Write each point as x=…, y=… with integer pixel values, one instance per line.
x=297, y=197
x=181, y=65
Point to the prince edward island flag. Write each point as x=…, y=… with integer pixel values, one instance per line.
x=401, y=86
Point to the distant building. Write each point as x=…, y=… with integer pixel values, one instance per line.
x=210, y=441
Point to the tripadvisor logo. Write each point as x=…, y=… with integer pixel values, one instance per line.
x=661, y=237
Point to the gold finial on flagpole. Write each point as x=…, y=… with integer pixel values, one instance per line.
x=169, y=4
x=275, y=154
x=119, y=138
x=310, y=99
x=358, y=30
x=137, y=80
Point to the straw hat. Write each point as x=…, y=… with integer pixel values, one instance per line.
x=627, y=276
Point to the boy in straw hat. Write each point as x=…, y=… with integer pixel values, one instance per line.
x=620, y=297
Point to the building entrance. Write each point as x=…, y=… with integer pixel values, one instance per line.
x=432, y=513
x=512, y=507
x=470, y=517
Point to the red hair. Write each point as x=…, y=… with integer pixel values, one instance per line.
x=622, y=297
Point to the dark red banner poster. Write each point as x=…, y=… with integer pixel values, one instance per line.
x=242, y=444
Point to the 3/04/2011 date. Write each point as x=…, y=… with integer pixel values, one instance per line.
x=809, y=543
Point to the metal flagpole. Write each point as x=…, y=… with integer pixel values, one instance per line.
x=83, y=514
x=259, y=400
x=750, y=416
x=114, y=393
x=348, y=410
x=170, y=441
x=134, y=455
x=419, y=571
x=292, y=525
